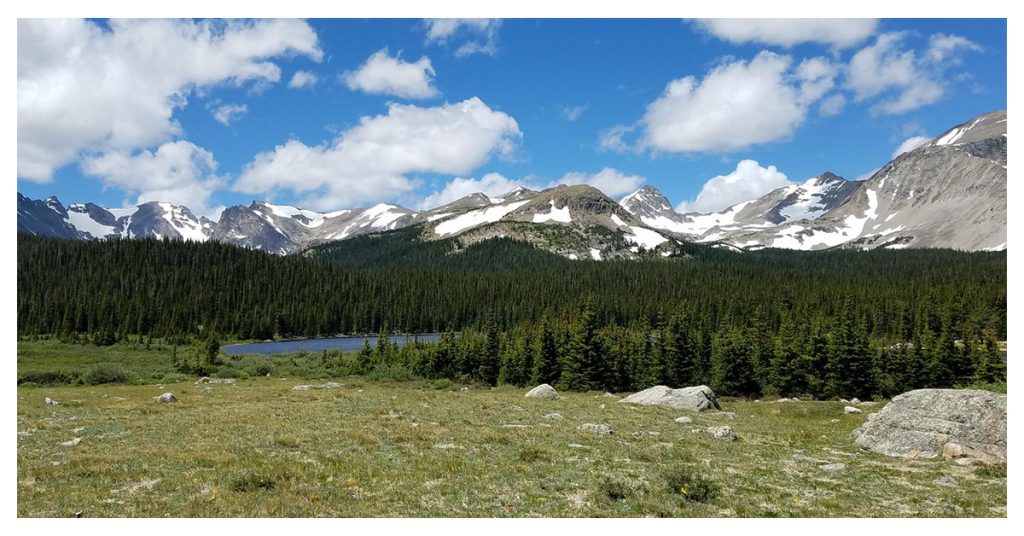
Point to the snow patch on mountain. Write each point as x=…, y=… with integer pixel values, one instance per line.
x=476, y=217
x=556, y=214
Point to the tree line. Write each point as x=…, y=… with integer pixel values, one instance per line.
x=835, y=323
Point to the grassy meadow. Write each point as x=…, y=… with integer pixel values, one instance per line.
x=378, y=449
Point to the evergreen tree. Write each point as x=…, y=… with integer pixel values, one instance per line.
x=732, y=372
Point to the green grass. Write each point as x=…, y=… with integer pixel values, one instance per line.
x=257, y=448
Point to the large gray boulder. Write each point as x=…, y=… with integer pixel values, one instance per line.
x=543, y=391
x=925, y=423
x=699, y=398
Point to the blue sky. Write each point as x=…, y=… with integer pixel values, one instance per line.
x=134, y=113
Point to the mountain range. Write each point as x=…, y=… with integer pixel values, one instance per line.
x=947, y=193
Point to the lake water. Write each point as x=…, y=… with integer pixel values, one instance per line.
x=345, y=344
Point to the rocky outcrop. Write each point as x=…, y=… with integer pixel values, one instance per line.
x=956, y=423
x=543, y=391
x=699, y=398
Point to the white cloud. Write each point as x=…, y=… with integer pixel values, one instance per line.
x=372, y=160
x=384, y=75
x=736, y=105
x=944, y=48
x=748, y=181
x=481, y=34
x=884, y=68
x=910, y=144
x=614, y=138
x=178, y=172
x=83, y=86
x=831, y=105
x=573, y=113
x=838, y=33
x=229, y=112
x=303, y=79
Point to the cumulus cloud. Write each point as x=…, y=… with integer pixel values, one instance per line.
x=372, y=160
x=87, y=87
x=303, y=79
x=386, y=75
x=903, y=80
x=910, y=144
x=736, y=105
x=178, y=172
x=227, y=113
x=837, y=33
x=748, y=181
x=480, y=36
x=610, y=181
x=831, y=105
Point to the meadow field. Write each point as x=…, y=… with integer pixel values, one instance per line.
x=367, y=448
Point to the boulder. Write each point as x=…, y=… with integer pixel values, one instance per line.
x=832, y=467
x=71, y=443
x=543, y=391
x=722, y=433
x=51, y=402
x=553, y=416
x=699, y=398
x=683, y=420
x=855, y=400
x=166, y=398
x=946, y=481
x=596, y=428
x=850, y=410
x=922, y=423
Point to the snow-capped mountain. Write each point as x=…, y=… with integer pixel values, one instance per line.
x=950, y=192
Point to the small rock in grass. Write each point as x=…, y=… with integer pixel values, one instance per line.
x=543, y=391
x=844, y=401
x=328, y=385
x=51, y=402
x=225, y=381
x=596, y=428
x=609, y=395
x=834, y=421
x=683, y=420
x=553, y=416
x=515, y=426
x=644, y=433
x=71, y=443
x=855, y=400
x=832, y=467
x=867, y=403
x=784, y=400
x=850, y=410
x=800, y=457
x=166, y=398
x=727, y=414
x=722, y=433
x=946, y=481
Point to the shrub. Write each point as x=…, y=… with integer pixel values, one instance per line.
x=50, y=377
x=691, y=485
x=991, y=471
x=442, y=384
x=107, y=373
x=391, y=372
x=226, y=372
x=532, y=454
x=263, y=369
x=613, y=490
x=27, y=385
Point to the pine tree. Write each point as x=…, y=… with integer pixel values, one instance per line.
x=580, y=370
x=732, y=372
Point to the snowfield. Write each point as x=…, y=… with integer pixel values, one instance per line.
x=476, y=217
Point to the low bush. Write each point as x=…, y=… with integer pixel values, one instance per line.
x=101, y=373
x=691, y=485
